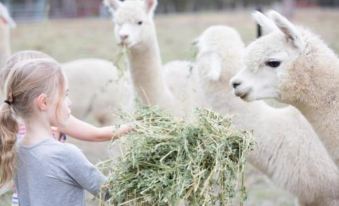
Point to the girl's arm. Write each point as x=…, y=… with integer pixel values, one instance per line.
x=87, y=132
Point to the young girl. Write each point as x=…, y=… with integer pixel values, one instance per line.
x=47, y=172
x=74, y=127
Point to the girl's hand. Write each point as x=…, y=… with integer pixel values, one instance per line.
x=127, y=128
x=123, y=130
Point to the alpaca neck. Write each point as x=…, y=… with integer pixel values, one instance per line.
x=147, y=76
x=5, y=49
x=317, y=96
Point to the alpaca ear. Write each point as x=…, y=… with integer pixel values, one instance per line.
x=150, y=6
x=266, y=24
x=290, y=31
x=216, y=67
x=112, y=4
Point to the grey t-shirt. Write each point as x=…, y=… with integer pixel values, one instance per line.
x=51, y=173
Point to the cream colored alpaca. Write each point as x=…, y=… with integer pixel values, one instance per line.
x=98, y=92
x=287, y=149
x=134, y=28
x=294, y=66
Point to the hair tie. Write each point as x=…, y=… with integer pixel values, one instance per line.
x=8, y=102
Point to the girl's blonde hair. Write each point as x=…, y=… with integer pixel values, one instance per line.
x=18, y=57
x=27, y=77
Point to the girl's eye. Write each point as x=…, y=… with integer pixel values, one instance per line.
x=139, y=22
x=273, y=64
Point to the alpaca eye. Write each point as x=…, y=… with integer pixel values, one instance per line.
x=139, y=22
x=273, y=64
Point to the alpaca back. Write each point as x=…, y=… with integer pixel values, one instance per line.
x=97, y=90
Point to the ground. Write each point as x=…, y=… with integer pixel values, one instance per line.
x=80, y=38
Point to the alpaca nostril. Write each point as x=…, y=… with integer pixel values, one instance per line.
x=236, y=84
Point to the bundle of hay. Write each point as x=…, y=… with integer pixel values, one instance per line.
x=167, y=161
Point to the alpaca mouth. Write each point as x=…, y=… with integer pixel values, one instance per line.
x=242, y=94
x=126, y=44
x=123, y=44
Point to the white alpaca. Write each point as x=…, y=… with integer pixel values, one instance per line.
x=134, y=28
x=98, y=92
x=294, y=66
x=287, y=149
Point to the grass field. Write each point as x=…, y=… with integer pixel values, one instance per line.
x=71, y=39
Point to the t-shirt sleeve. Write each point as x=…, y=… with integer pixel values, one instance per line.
x=82, y=171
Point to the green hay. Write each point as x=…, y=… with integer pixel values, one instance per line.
x=167, y=161
x=120, y=60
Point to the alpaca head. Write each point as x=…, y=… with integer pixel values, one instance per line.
x=219, y=57
x=133, y=20
x=5, y=18
x=269, y=60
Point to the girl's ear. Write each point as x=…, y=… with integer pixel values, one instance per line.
x=112, y=4
x=150, y=6
x=42, y=102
